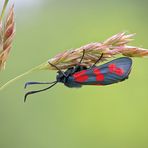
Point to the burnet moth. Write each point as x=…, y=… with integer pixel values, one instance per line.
x=74, y=77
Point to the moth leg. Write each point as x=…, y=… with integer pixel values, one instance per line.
x=97, y=61
x=57, y=68
x=79, y=67
x=82, y=57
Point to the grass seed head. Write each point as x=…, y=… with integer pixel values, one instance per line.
x=111, y=47
x=7, y=31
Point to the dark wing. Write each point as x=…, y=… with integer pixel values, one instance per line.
x=112, y=72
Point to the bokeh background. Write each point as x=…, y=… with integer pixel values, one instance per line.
x=115, y=116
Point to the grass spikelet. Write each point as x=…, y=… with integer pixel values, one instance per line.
x=111, y=47
x=7, y=30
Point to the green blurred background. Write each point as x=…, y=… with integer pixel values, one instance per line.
x=115, y=116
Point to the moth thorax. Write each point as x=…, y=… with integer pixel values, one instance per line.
x=61, y=78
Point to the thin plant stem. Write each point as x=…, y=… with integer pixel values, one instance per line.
x=37, y=68
x=114, y=45
x=3, y=9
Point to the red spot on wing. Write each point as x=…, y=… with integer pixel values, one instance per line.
x=112, y=68
x=80, y=76
x=119, y=71
x=99, y=75
x=116, y=70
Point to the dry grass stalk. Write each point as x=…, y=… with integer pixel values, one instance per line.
x=115, y=45
x=7, y=30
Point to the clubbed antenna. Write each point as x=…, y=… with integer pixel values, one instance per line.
x=37, y=91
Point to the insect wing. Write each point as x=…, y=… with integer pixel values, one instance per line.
x=112, y=72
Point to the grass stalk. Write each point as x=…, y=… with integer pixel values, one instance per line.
x=3, y=9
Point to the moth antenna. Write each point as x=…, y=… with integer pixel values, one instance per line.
x=33, y=92
x=32, y=83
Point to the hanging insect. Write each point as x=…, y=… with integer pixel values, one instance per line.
x=109, y=73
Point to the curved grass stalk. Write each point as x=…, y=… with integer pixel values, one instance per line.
x=37, y=68
x=3, y=10
x=113, y=46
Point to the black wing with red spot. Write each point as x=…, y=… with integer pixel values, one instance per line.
x=112, y=72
